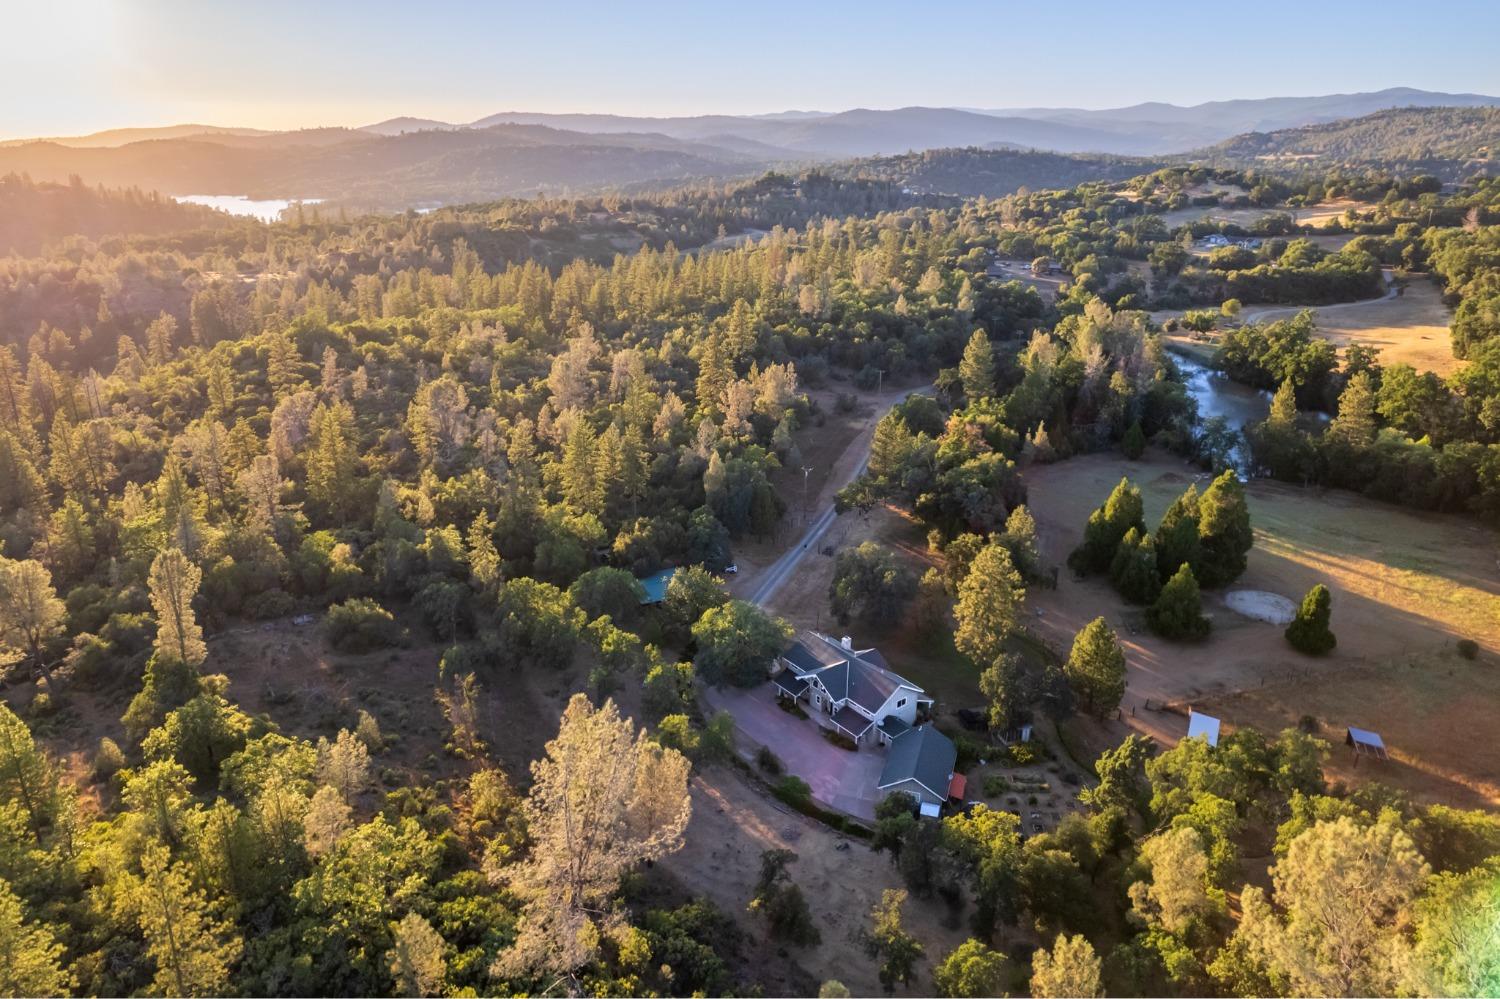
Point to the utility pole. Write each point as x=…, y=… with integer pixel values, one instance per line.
x=879, y=379
x=805, y=470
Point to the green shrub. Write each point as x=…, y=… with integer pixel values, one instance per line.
x=840, y=740
x=1309, y=631
x=109, y=760
x=1468, y=648
x=361, y=625
x=794, y=791
x=995, y=785
x=768, y=761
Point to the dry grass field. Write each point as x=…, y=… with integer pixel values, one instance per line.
x=1411, y=328
x=1406, y=586
x=1317, y=216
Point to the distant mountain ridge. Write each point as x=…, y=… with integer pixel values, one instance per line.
x=406, y=162
x=1148, y=129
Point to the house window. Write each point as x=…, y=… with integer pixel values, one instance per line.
x=901, y=703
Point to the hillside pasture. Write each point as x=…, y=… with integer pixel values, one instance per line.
x=1406, y=587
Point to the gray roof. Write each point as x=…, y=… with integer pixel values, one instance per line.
x=894, y=726
x=924, y=755
x=791, y=683
x=851, y=721
x=861, y=676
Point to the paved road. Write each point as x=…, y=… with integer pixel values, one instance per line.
x=778, y=572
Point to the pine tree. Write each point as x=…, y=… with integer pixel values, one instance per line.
x=976, y=370
x=1107, y=525
x=30, y=612
x=174, y=583
x=1224, y=531
x=1309, y=631
x=989, y=605
x=194, y=952
x=1355, y=424
x=1178, y=611
x=1133, y=569
x=1002, y=684
x=604, y=799
x=1283, y=415
x=332, y=461
x=27, y=779
x=416, y=958
x=1070, y=970
x=484, y=559
x=30, y=956
x=1096, y=667
x=581, y=490
x=1020, y=538
x=1134, y=441
x=1176, y=536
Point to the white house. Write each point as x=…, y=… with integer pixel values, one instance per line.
x=854, y=690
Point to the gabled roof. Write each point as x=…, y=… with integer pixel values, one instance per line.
x=791, y=683
x=861, y=676
x=924, y=755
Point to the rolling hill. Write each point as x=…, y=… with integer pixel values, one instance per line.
x=1449, y=141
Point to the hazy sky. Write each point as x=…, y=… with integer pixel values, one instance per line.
x=72, y=66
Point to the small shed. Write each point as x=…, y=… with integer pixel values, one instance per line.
x=1204, y=726
x=1365, y=743
x=655, y=587
x=957, y=785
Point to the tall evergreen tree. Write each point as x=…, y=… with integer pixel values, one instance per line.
x=976, y=370
x=989, y=605
x=1106, y=527
x=1176, y=537
x=1224, y=531
x=194, y=951
x=1178, y=611
x=1096, y=667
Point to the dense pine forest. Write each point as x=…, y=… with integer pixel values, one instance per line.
x=469, y=434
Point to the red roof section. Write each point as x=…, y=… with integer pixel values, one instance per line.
x=956, y=786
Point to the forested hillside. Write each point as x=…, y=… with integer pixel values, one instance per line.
x=32, y=215
x=1451, y=142
x=449, y=445
x=992, y=173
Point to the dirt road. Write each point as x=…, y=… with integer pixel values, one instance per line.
x=760, y=587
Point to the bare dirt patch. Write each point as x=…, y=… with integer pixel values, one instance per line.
x=841, y=878
x=1404, y=584
x=1258, y=605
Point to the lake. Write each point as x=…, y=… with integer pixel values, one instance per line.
x=268, y=210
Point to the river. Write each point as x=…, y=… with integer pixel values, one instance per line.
x=1219, y=395
x=267, y=210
